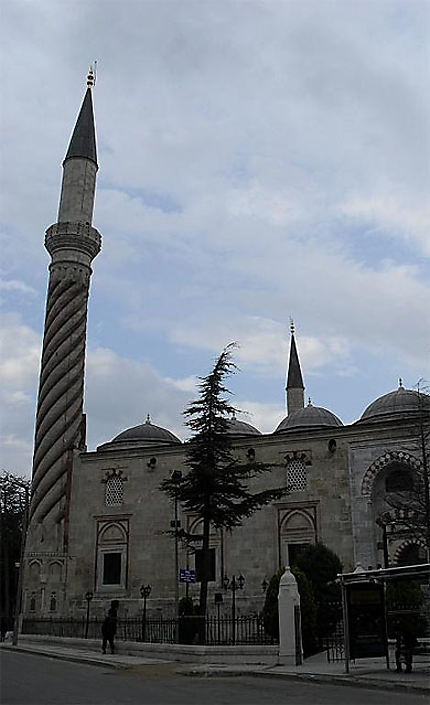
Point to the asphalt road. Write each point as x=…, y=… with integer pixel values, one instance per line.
x=40, y=680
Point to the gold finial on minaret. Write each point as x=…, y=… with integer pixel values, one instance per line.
x=291, y=326
x=91, y=78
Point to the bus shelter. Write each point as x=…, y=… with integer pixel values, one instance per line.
x=364, y=608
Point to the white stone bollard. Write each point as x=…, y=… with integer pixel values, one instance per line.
x=290, y=643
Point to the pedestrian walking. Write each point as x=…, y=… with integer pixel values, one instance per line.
x=109, y=627
x=406, y=642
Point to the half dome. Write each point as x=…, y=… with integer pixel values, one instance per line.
x=309, y=417
x=401, y=401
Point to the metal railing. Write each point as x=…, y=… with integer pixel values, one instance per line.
x=247, y=629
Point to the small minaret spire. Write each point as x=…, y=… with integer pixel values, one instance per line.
x=295, y=387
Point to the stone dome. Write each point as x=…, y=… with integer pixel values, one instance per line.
x=241, y=428
x=401, y=401
x=309, y=417
x=146, y=434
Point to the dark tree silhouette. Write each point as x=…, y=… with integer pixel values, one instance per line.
x=13, y=493
x=216, y=484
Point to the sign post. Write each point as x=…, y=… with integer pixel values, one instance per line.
x=187, y=576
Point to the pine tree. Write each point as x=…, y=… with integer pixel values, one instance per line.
x=215, y=488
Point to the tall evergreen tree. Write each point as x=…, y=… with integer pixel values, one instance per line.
x=216, y=484
x=13, y=493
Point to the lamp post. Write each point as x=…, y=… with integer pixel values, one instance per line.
x=218, y=603
x=233, y=584
x=176, y=476
x=88, y=596
x=145, y=592
x=383, y=525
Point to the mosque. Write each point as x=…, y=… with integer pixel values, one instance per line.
x=98, y=521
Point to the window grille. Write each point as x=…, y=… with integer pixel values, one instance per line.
x=297, y=480
x=114, y=491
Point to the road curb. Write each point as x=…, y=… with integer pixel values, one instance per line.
x=74, y=658
x=354, y=681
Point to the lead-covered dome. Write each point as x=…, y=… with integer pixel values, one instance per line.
x=146, y=434
x=241, y=428
x=309, y=417
x=401, y=401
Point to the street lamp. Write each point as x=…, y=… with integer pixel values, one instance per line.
x=218, y=603
x=88, y=596
x=176, y=477
x=383, y=525
x=233, y=584
x=145, y=592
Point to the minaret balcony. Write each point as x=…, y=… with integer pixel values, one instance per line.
x=77, y=237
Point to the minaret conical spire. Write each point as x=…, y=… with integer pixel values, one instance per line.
x=83, y=140
x=295, y=387
x=80, y=166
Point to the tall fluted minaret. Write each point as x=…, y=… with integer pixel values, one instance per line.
x=295, y=388
x=72, y=243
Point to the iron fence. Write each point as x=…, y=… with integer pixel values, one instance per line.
x=185, y=630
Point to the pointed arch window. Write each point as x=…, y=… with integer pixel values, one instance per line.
x=53, y=602
x=112, y=555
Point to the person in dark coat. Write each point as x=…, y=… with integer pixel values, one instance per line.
x=406, y=642
x=109, y=627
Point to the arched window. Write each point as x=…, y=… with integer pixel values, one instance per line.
x=55, y=571
x=410, y=554
x=114, y=491
x=196, y=528
x=112, y=552
x=296, y=532
x=53, y=602
x=33, y=602
x=297, y=480
x=399, y=481
x=35, y=571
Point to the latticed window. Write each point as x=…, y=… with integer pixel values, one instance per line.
x=114, y=491
x=296, y=476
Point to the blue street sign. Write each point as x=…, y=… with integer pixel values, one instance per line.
x=187, y=576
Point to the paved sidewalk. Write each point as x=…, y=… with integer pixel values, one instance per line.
x=366, y=673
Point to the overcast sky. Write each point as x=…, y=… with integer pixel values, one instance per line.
x=258, y=160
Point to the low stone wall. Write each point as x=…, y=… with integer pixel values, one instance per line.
x=240, y=654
